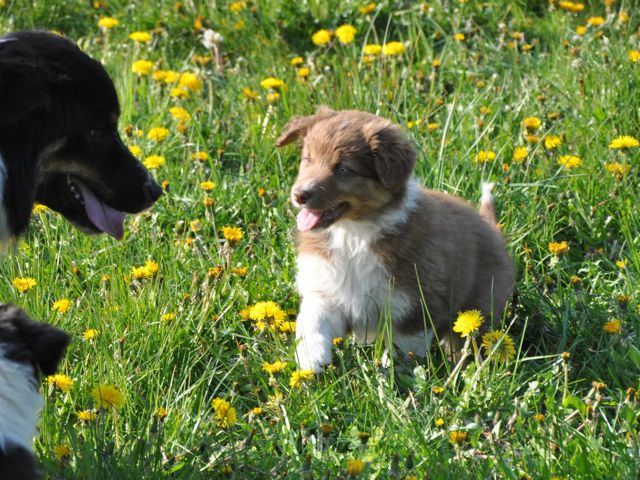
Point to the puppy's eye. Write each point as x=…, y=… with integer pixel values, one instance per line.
x=343, y=170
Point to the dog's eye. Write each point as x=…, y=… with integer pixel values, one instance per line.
x=97, y=134
x=343, y=170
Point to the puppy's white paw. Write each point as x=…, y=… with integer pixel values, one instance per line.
x=313, y=354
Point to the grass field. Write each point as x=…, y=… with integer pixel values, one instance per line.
x=161, y=320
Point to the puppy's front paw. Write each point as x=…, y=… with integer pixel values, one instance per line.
x=313, y=354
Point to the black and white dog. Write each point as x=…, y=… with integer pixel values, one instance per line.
x=59, y=143
x=27, y=349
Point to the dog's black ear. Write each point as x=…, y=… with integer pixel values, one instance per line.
x=299, y=126
x=393, y=152
x=23, y=89
x=38, y=343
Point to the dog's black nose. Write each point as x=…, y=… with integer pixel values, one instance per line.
x=301, y=195
x=153, y=190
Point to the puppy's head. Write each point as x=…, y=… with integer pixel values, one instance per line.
x=59, y=139
x=24, y=340
x=354, y=165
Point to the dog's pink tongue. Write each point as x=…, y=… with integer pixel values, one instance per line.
x=307, y=219
x=105, y=218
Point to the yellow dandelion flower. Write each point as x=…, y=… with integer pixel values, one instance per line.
x=552, y=141
x=459, y=37
x=354, y=467
x=581, y=30
x=62, y=305
x=158, y=134
x=257, y=411
x=225, y=413
x=372, y=49
x=142, y=67
x=613, y=326
x=153, y=162
x=273, y=97
x=267, y=312
x=107, y=396
x=23, y=284
x=275, y=367
x=595, y=21
x=569, y=161
x=558, y=248
x=135, y=150
x=287, y=327
x=299, y=377
x=532, y=123
x=337, y=341
x=437, y=390
x=572, y=7
x=107, y=23
x=249, y=94
x=624, y=141
x=190, y=81
x=439, y=422
x=272, y=83
x=485, y=156
x=468, y=322
x=538, y=417
x=618, y=169
x=302, y=72
x=393, y=49
x=207, y=185
x=180, y=114
x=62, y=451
x=623, y=17
x=519, y=154
x=432, y=126
x=87, y=415
x=140, y=37
x=214, y=272
x=161, y=413
x=533, y=139
x=634, y=56
x=168, y=317
x=575, y=280
x=90, y=334
x=345, y=33
x=233, y=235
x=180, y=92
x=237, y=7
x=458, y=436
x=39, y=208
x=295, y=61
x=368, y=8
x=501, y=343
x=321, y=37
x=60, y=381
x=170, y=77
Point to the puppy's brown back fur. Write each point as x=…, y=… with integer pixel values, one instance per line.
x=455, y=256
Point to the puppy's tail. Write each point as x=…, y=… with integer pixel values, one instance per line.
x=488, y=204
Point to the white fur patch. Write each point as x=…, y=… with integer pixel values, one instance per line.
x=350, y=289
x=20, y=403
x=4, y=225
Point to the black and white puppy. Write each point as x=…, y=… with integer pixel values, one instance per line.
x=27, y=349
x=59, y=143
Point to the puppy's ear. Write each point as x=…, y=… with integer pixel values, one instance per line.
x=299, y=126
x=394, y=154
x=23, y=89
x=38, y=343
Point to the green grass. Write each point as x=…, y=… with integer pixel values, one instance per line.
x=584, y=89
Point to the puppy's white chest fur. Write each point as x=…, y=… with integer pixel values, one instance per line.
x=352, y=278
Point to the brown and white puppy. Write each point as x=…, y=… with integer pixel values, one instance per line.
x=372, y=243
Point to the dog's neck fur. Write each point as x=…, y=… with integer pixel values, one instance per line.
x=20, y=403
x=354, y=236
x=4, y=225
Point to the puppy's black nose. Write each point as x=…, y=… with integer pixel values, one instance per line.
x=153, y=190
x=301, y=195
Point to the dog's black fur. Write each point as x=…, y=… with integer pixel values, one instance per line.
x=25, y=341
x=58, y=133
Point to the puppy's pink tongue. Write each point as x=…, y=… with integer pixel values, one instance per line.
x=105, y=218
x=307, y=219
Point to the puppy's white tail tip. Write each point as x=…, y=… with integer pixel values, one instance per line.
x=487, y=203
